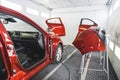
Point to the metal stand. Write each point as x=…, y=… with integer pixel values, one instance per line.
x=85, y=63
x=84, y=66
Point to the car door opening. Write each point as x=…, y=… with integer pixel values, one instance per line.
x=28, y=41
x=28, y=48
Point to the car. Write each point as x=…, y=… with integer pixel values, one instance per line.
x=25, y=48
x=90, y=37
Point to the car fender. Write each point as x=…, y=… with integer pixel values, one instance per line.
x=55, y=42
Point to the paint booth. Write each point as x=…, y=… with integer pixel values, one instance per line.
x=82, y=57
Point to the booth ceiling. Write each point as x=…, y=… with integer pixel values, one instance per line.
x=53, y=4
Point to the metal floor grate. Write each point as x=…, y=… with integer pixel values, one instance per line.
x=74, y=64
x=99, y=75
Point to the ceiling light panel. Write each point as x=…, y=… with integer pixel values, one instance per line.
x=98, y=2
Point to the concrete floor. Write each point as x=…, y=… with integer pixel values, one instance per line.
x=70, y=68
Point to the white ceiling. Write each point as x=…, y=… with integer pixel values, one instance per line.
x=53, y=4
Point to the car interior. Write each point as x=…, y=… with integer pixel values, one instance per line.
x=28, y=46
x=28, y=41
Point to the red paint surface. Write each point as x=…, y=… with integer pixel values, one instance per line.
x=87, y=39
x=57, y=28
x=83, y=27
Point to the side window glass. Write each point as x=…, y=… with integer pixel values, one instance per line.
x=55, y=21
x=87, y=22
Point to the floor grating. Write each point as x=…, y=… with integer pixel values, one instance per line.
x=73, y=65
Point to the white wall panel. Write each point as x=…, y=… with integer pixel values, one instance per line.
x=113, y=29
x=71, y=19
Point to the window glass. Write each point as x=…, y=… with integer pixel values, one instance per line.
x=87, y=22
x=15, y=24
x=55, y=21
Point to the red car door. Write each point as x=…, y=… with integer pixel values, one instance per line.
x=85, y=24
x=88, y=39
x=55, y=25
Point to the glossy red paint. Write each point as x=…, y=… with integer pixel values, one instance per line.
x=14, y=70
x=83, y=27
x=55, y=25
x=88, y=39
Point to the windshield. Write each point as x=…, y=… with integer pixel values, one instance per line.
x=14, y=24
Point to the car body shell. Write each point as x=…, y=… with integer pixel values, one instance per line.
x=14, y=70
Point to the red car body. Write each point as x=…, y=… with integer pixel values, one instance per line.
x=90, y=37
x=14, y=70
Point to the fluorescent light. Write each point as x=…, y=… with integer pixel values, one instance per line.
x=110, y=12
x=11, y=5
x=44, y=15
x=111, y=45
x=32, y=11
x=116, y=5
x=117, y=51
x=47, y=1
x=107, y=40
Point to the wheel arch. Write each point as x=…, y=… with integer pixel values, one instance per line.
x=55, y=43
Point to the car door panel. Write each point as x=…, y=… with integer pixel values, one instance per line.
x=86, y=25
x=55, y=25
x=87, y=39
